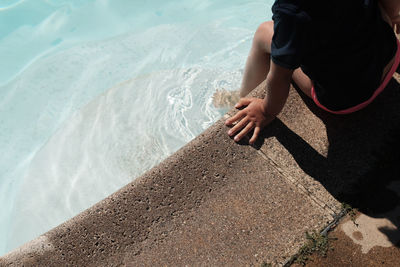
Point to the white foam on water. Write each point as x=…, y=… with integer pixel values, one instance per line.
x=79, y=119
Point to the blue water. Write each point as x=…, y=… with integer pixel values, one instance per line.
x=95, y=92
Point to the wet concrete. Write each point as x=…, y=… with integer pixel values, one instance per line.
x=351, y=245
x=215, y=202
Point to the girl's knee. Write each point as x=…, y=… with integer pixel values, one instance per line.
x=263, y=35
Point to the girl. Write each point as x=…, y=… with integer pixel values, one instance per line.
x=340, y=53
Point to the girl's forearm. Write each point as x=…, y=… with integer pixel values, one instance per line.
x=277, y=89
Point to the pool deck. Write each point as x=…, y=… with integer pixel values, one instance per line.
x=217, y=203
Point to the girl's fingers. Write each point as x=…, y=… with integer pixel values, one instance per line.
x=246, y=130
x=241, y=124
x=243, y=102
x=255, y=134
x=396, y=23
x=238, y=116
x=396, y=19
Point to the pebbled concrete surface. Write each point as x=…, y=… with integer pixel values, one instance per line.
x=215, y=202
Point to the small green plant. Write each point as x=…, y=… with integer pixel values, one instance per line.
x=265, y=264
x=316, y=243
x=352, y=212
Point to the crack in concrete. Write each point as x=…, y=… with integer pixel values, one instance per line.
x=301, y=188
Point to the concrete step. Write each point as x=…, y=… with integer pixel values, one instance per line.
x=216, y=202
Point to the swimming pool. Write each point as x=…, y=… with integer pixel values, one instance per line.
x=95, y=92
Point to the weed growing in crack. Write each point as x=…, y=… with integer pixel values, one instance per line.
x=316, y=243
x=352, y=212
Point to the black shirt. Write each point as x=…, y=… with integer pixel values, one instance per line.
x=342, y=45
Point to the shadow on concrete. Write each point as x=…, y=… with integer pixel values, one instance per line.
x=363, y=158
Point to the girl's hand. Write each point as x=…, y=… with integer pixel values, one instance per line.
x=253, y=116
x=396, y=23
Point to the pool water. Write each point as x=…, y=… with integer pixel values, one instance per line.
x=95, y=92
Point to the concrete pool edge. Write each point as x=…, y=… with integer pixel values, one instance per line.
x=213, y=201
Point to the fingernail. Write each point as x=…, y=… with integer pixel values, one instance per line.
x=229, y=132
x=236, y=138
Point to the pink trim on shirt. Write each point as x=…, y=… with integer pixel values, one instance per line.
x=376, y=93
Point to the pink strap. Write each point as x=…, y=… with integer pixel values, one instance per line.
x=376, y=93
